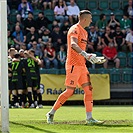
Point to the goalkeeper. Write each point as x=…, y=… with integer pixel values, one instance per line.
x=76, y=71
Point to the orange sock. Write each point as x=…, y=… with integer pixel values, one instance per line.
x=88, y=100
x=62, y=98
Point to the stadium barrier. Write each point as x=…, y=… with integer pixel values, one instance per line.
x=52, y=85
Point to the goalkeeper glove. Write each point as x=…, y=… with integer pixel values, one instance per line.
x=90, y=57
x=101, y=60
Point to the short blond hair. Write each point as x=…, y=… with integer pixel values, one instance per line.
x=84, y=12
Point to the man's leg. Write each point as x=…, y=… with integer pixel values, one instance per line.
x=29, y=89
x=59, y=102
x=105, y=64
x=88, y=100
x=84, y=81
x=117, y=61
x=62, y=98
x=72, y=76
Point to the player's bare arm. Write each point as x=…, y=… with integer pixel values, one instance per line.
x=74, y=45
x=39, y=61
x=90, y=57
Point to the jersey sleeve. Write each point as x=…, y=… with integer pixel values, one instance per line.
x=74, y=32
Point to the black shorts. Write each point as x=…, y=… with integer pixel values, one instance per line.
x=17, y=85
x=38, y=82
x=24, y=82
x=31, y=82
x=111, y=61
x=9, y=84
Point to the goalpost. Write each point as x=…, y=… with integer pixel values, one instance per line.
x=4, y=109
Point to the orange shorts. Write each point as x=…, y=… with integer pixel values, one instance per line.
x=76, y=75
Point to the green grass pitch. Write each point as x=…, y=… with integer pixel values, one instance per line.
x=71, y=119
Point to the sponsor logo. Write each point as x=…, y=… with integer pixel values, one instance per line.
x=55, y=91
x=79, y=91
x=42, y=90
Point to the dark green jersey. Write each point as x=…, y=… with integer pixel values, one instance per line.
x=37, y=68
x=23, y=71
x=9, y=67
x=17, y=67
x=30, y=68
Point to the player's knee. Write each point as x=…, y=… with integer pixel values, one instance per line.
x=88, y=93
x=68, y=93
x=117, y=60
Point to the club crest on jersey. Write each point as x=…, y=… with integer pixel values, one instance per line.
x=74, y=32
x=71, y=82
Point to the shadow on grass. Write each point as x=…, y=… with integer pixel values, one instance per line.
x=104, y=125
x=107, y=123
x=32, y=127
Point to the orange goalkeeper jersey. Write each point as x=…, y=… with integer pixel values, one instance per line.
x=74, y=58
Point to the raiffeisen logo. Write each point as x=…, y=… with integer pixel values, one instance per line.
x=79, y=91
x=42, y=88
x=55, y=91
